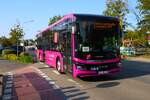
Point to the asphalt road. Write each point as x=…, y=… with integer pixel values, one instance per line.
x=6, y=65
x=132, y=83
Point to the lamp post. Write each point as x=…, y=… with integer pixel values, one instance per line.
x=23, y=43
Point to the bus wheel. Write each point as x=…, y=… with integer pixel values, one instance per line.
x=58, y=66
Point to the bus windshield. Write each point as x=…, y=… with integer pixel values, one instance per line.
x=99, y=40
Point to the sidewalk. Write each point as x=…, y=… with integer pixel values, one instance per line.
x=30, y=84
x=138, y=59
x=1, y=81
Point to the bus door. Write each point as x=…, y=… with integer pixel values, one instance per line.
x=67, y=51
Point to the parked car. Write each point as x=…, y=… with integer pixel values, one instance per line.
x=130, y=51
x=1, y=49
x=20, y=49
x=31, y=51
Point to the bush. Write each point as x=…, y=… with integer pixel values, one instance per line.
x=10, y=57
x=24, y=54
x=7, y=51
x=26, y=59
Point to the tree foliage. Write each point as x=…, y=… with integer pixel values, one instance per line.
x=54, y=19
x=117, y=8
x=16, y=34
x=5, y=41
x=135, y=37
x=144, y=7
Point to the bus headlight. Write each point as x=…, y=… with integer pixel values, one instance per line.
x=81, y=67
x=119, y=64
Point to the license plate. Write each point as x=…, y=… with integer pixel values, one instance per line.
x=102, y=72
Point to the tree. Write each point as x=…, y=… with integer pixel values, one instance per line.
x=135, y=37
x=5, y=41
x=144, y=7
x=117, y=8
x=16, y=34
x=54, y=19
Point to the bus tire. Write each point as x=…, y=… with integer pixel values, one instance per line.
x=58, y=65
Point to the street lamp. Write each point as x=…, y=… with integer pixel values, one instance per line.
x=23, y=44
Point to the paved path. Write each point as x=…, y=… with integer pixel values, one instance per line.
x=141, y=59
x=30, y=83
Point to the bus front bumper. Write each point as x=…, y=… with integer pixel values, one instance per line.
x=88, y=73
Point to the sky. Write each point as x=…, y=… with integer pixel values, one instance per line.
x=33, y=15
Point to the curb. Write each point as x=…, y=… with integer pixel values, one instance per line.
x=1, y=85
x=7, y=86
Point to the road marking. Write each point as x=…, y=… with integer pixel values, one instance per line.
x=44, y=76
x=48, y=79
x=71, y=80
x=46, y=66
x=51, y=82
x=7, y=97
x=9, y=73
x=9, y=79
x=56, y=87
x=8, y=86
x=9, y=82
x=41, y=63
x=10, y=76
x=56, y=72
x=7, y=91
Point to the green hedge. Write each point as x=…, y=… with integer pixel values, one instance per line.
x=10, y=57
x=26, y=59
x=7, y=51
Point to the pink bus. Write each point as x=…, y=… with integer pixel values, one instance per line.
x=83, y=44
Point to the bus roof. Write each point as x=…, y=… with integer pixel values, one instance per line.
x=95, y=17
x=80, y=16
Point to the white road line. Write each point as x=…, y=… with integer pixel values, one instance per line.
x=10, y=76
x=51, y=82
x=41, y=63
x=71, y=80
x=46, y=66
x=8, y=86
x=9, y=82
x=9, y=79
x=9, y=73
x=56, y=87
x=7, y=91
x=48, y=79
x=6, y=97
x=44, y=76
x=56, y=72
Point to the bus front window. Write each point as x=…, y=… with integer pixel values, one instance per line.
x=99, y=39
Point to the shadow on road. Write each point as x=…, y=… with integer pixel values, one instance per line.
x=107, y=84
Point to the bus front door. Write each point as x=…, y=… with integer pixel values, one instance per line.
x=67, y=52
